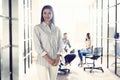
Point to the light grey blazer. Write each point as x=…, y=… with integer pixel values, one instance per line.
x=47, y=40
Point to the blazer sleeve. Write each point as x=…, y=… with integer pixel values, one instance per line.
x=37, y=42
x=60, y=43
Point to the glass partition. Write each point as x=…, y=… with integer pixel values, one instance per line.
x=10, y=36
x=118, y=40
x=27, y=34
x=118, y=18
x=0, y=35
x=111, y=30
x=106, y=26
x=5, y=41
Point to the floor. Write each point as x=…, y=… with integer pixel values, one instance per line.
x=77, y=73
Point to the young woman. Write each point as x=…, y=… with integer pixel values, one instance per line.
x=87, y=49
x=48, y=45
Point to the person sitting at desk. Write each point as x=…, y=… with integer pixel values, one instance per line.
x=69, y=57
x=85, y=51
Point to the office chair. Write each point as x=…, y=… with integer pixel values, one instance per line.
x=62, y=71
x=88, y=56
x=96, y=54
x=67, y=59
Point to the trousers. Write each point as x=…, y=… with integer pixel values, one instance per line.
x=47, y=73
x=81, y=53
x=69, y=58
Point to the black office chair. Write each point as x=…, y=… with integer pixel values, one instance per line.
x=63, y=71
x=88, y=56
x=68, y=59
x=97, y=54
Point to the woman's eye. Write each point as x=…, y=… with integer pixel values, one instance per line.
x=49, y=12
x=44, y=13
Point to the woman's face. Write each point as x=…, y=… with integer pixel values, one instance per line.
x=47, y=15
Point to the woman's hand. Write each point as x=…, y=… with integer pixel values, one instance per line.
x=53, y=62
x=49, y=59
x=57, y=60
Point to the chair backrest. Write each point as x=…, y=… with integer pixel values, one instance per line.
x=98, y=51
x=91, y=49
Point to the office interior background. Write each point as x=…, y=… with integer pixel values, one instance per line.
x=101, y=18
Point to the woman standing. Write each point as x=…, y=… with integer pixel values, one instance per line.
x=48, y=45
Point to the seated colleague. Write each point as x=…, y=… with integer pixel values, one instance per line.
x=68, y=57
x=85, y=51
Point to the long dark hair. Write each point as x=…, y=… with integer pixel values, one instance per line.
x=47, y=7
x=88, y=35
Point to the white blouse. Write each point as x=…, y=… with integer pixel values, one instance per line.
x=47, y=41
